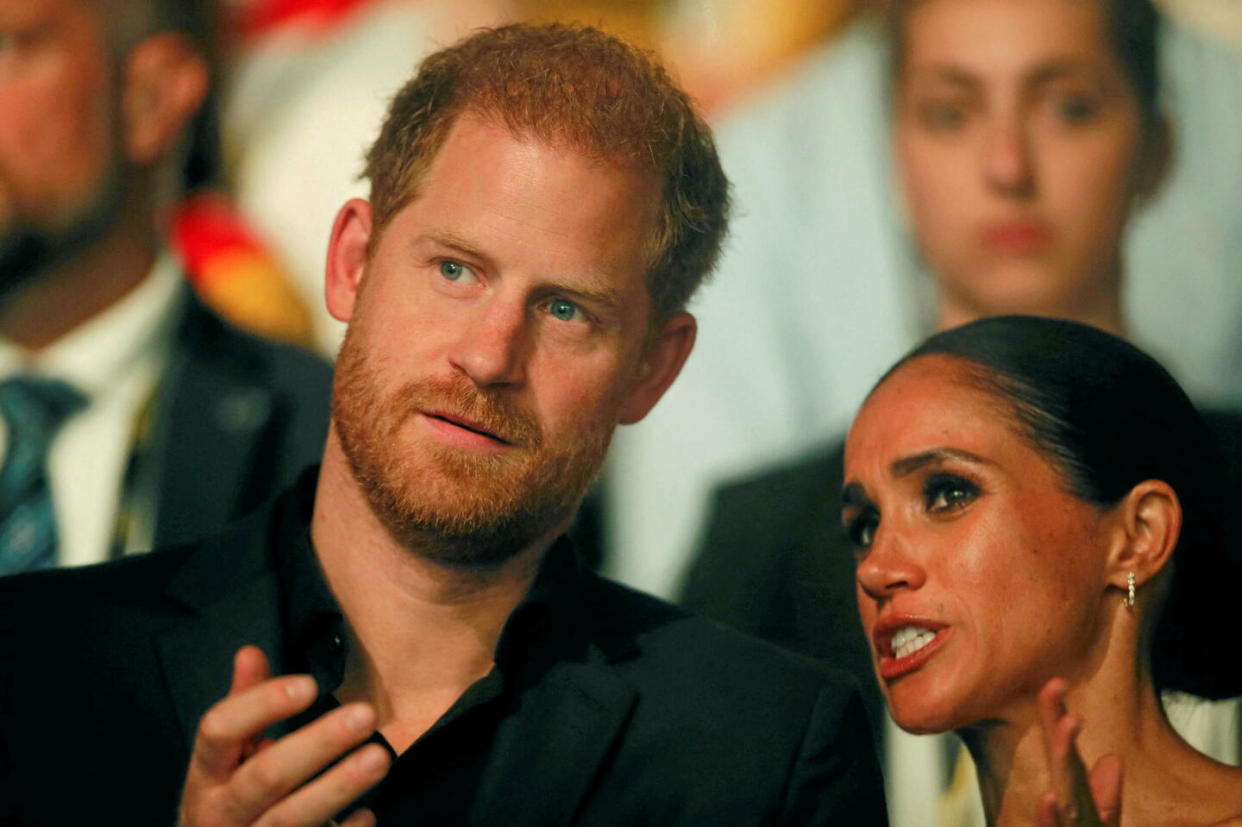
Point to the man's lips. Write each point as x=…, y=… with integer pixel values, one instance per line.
x=450, y=420
x=903, y=643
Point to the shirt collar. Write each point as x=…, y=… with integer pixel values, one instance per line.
x=133, y=331
x=314, y=624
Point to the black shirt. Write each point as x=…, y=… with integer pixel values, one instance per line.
x=438, y=777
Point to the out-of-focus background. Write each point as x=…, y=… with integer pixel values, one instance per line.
x=306, y=82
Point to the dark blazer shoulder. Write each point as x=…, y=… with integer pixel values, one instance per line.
x=238, y=416
x=754, y=733
x=755, y=530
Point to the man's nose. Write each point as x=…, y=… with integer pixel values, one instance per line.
x=493, y=346
x=889, y=566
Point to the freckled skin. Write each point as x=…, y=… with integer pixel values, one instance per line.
x=1017, y=572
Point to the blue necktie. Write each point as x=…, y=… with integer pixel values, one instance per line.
x=34, y=409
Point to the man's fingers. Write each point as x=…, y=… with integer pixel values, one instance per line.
x=315, y=803
x=250, y=668
x=284, y=766
x=359, y=818
x=227, y=728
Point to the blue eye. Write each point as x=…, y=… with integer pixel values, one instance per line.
x=455, y=270
x=564, y=310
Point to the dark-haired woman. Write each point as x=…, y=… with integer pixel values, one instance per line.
x=1027, y=133
x=1032, y=499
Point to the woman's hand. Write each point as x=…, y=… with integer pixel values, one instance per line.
x=1075, y=798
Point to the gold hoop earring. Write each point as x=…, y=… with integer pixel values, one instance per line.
x=1130, y=590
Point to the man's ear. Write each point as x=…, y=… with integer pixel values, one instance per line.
x=1150, y=525
x=666, y=352
x=165, y=80
x=347, y=258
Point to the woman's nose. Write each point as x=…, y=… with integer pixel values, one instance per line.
x=1008, y=161
x=889, y=566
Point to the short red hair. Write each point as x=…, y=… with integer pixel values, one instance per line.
x=581, y=87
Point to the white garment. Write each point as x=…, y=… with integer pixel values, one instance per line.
x=114, y=360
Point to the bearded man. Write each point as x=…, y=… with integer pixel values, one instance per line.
x=543, y=203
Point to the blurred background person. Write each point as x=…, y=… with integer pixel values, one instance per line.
x=133, y=416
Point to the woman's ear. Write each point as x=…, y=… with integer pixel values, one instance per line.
x=1151, y=523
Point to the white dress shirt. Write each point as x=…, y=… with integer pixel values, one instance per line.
x=114, y=360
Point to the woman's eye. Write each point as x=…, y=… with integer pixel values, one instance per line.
x=861, y=530
x=1075, y=109
x=945, y=492
x=942, y=116
x=456, y=271
x=565, y=310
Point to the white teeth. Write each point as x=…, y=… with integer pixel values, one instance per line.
x=910, y=639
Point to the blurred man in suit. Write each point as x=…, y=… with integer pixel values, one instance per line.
x=133, y=416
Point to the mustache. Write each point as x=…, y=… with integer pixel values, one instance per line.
x=457, y=398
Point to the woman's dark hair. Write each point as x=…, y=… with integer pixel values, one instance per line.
x=1108, y=416
x=1133, y=28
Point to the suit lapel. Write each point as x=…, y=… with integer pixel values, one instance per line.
x=233, y=593
x=548, y=759
x=211, y=422
x=574, y=711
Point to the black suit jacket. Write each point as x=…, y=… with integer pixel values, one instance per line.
x=775, y=563
x=663, y=719
x=233, y=421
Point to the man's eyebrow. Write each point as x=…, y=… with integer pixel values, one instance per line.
x=450, y=239
x=908, y=465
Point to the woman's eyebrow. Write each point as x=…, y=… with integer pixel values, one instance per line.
x=853, y=495
x=908, y=465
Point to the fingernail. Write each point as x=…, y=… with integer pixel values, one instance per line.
x=301, y=688
x=359, y=718
x=372, y=759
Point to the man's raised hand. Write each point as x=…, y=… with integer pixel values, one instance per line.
x=238, y=777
